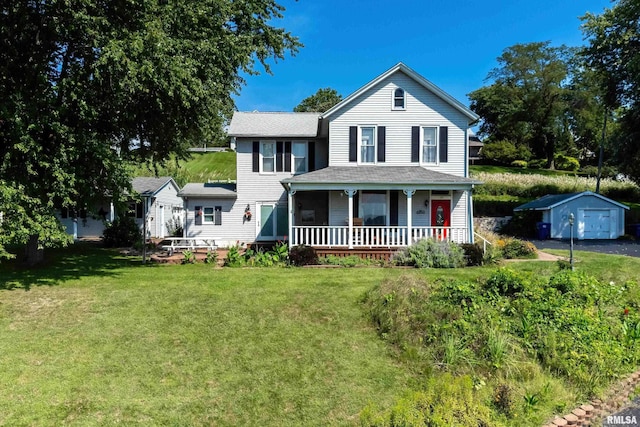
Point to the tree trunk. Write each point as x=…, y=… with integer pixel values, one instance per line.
x=34, y=254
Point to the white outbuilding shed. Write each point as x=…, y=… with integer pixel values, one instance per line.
x=596, y=216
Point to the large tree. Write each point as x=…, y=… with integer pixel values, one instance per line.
x=526, y=101
x=87, y=85
x=319, y=102
x=613, y=55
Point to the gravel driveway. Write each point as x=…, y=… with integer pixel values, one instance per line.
x=617, y=247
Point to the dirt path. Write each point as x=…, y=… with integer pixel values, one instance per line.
x=542, y=256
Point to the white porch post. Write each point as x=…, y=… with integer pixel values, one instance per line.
x=409, y=193
x=290, y=194
x=75, y=228
x=112, y=212
x=350, y=193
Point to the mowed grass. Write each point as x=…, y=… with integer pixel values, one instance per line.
x=189, y=345
x=95, y=338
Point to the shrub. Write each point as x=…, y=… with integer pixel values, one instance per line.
x=519, y=164
x=505, y=282
x=431, y=253
x=504, y=152
x=566, y=163
x=522, y=224
x=175, y=227
x=122, y=232
x=516, y=248
x=212, y=257
x=445, y=401
x=303, y=255
x=473, y=253
x=234, y=258
x=537, y=163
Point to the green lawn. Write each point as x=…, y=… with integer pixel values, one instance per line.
x=95, y=338
x=201, y=167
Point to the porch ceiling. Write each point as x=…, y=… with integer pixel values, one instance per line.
x=415, y=176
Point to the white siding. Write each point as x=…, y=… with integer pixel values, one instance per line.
x=423, y=108
x=165, y=200
x=229, y=232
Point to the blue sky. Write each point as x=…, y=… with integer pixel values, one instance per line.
x=452, y=43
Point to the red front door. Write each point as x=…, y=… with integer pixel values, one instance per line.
x=441, y=216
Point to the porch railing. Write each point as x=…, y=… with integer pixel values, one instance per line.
x=372, y=236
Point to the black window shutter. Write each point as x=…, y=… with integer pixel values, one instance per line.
x=287, y=156
x=198, y=213
x=312, y=155
x=415, y=144
x=279, y=153
x=393, y=207
x=444, y=144
x=217, y=215
x=353, y=143
x=256, y=156
x=382, y=131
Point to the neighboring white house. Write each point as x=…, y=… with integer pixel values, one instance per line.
x=163, y=204
x=159, y=194
x=595, y=216
x=386, y=166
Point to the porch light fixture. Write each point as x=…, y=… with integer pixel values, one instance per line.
x=571, y=221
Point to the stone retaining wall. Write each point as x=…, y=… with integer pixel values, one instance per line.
x=592, y=413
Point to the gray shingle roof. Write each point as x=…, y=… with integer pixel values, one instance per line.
x=274, y=125
x=378, y=175
x=209, y=190
x=147, y=186
x=551, y=200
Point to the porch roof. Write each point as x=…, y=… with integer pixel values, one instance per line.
x=386, y=175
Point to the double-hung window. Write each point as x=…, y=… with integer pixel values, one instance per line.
x=367, y=144
x=299, y=154
x=268, y=156
x=429, y=145
x=212, y=215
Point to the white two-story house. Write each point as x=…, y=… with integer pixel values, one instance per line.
x=383, y=168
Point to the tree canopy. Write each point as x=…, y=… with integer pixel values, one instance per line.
x=319, y=102
x=526, y=102
x=613, y=55
x=87, y=86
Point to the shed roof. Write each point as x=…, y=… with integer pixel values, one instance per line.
x=552, y=200
x=272, y=124
x=416, y=175
x=209, y=190
x=149, y=186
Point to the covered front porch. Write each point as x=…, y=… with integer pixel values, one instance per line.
x=377, y=207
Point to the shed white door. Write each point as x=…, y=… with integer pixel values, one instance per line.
x=596, y=224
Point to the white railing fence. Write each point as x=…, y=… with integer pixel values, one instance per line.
x=372, y=236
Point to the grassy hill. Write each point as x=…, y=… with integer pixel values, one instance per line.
x=201, y=167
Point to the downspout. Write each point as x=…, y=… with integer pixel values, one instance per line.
x=470, y=210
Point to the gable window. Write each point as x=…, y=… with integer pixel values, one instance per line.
x=299, y=154
x=429, y=145
x=367, y=144
x=268, y=156
x=398, y=99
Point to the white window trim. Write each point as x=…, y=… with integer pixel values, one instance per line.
x=306, y=157
x=437, y=128
x=262, y=144
x=375, y=144
x=204, y=221
x=393, y=99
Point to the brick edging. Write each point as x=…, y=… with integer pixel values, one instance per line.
x=591, y=413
